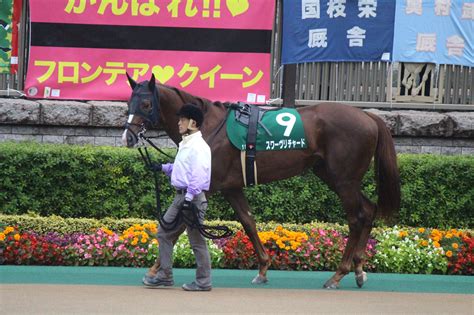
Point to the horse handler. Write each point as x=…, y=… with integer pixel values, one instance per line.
x=190, y=175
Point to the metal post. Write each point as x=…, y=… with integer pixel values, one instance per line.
x=288, y=91
x=289, y=83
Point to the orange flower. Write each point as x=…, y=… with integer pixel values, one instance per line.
x=455, y=245
x=436, y=244
x=424, y=243
x=449, y=253
x=421, y=230
x=17, y=237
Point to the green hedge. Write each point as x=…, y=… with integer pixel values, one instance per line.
x=99, y=182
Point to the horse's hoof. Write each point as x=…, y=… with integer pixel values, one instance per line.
x=259, y=280
x=330, y=285
x=361, y=278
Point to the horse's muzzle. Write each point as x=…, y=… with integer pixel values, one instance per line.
x=129, y=139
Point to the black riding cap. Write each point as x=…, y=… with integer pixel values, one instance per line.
x=191, y=111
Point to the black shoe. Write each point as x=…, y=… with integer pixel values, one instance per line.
x=157, y=282
x=193, y=286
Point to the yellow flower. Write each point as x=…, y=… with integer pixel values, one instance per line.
x=154, y=241
x=402, y=234
x=8, y=230
x=17, y=237
x=138, y=227
x=436, y=244
x=107, y=231
x=2, y=236
x=424, y=243
x=421, y=230
x=435, y=238
x=449, y=253
x=143, y=240
x=455, y=245
x=449, y=235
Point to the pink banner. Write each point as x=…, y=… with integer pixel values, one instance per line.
x=61, y=69
x=234, y=14
x=92, y=75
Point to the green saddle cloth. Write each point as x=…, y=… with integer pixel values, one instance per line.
x=280, y=129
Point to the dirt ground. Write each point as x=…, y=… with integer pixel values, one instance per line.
x=105, y=299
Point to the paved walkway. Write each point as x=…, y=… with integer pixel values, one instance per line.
x=102, y=290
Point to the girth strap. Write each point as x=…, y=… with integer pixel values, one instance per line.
x=251, y=146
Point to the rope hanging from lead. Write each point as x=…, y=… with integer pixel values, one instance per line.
x=190, y=218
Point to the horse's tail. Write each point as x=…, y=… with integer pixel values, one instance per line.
x=386, y=171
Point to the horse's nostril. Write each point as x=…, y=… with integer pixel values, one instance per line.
x=130, y=140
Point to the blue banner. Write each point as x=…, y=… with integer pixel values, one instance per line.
x=439, y=31
x=337, y=30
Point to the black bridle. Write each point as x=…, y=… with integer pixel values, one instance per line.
x=150, y=119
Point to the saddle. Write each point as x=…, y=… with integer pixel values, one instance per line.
x=250, y=116
x=252, y=128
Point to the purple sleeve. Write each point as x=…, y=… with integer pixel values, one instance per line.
x=167, y=169
x=196, y=179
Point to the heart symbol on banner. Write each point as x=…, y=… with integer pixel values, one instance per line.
x=237, y=7
x=163, y=74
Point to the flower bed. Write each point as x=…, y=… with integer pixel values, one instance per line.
x=401, y=250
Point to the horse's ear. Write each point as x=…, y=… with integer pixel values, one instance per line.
x=133, y=84
x=151, y=84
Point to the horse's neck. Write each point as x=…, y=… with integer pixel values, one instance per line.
x=170, y=123
x=213, y=120
x=214, y=113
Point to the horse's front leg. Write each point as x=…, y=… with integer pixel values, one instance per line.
x=239, y=203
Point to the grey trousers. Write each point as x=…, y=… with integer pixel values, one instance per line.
x=167, y=239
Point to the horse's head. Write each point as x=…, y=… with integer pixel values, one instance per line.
x=143, y=110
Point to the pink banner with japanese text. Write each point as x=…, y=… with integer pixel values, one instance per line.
x=211, y=48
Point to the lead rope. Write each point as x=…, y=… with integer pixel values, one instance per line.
x=192, y=219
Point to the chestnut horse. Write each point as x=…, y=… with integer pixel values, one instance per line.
x=341, y=142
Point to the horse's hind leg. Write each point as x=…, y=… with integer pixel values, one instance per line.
x=351, y=201
x=370, y=210
x=239, y=203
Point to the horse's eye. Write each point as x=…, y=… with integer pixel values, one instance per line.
x=146, y=105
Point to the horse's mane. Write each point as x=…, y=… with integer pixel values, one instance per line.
x=200, y=101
